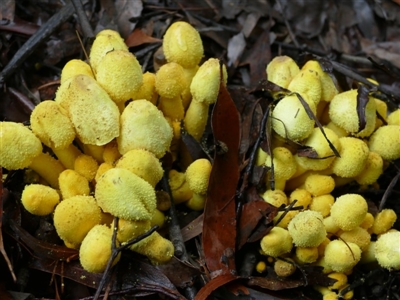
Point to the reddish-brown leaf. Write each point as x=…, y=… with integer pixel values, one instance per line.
x=219, y=227
x=214, y=284
x=138, y=37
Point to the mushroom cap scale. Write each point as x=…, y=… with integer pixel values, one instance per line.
x=18, y=146
x=125, y=195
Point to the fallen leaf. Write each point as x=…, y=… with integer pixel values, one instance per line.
x=138, y=37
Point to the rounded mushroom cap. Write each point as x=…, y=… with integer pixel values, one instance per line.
x=18, y=147
x=92, y=112
x=276, y=242
x=75, y=67
x=205, y=83
x=307, y=229
x=95, y=250
x=182, y=44
x=307, y=255
x=198, y=174
x=343, y=113
x=284, y=268
x=86, y=165
x=281, y=70
x=341, y=256
x=39, y=199
x=319, y=185
x=387, y=250
x=143, y=126
x=170, y=80
x=325, y=154
x=386, y=142
x=120, y=74
x=290, y=119
x=75, y=216
x=394, y=117
x=358, y=236
x=50, y=123
x=307, y=82
x=125, y=195
x=128, y=229
x=105, y=41
x=383, y=221
x=142, y=163
x=147, y=90
x=353, y=157
x=322, y=204
x=72, y=184
x=349, y=211
x=179, y=187
x=284, y=163
x=275, y=197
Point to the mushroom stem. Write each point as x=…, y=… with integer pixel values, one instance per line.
x=67, y=155
x=48, y=168
x=196, y=119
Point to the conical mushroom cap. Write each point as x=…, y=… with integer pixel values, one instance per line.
x=125, y=195
x=18, y=146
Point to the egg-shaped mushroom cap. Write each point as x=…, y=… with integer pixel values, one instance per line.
x=307, y=229
x=125, y=195
x=387, y=250
x=307, y=82
x=281, y=70
x=50, y=123
x=39, y=199
x=120, y=74
x=386, y=142
x=95, y=250
x=92, y=112
x=291, y=120
x=277, y=242
x=341, y=256
x=18, y=146
x=198, y=174
x=105, y=41
x=143, y=126
x=75, y=67
x=349, y=211
x=182, y=44
x=75, y=216
x=170, y=80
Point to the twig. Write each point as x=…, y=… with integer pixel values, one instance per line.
x=35, y=40
x=389, y=190
x=83, y=20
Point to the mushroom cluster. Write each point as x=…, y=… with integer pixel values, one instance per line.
x=310, y=161
x=97, y=146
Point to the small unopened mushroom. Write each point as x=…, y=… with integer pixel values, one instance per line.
x=284, y=268
x=87, y=166
x=358, y=236
x=125, y=195
x=306, y=255
x=349, y=211
x=281, y=70
x=147, y=90
x=319, y=185
x=197, y=177
x=73, y=184
x=307, y=83
x=75, y=67
x=20, y=148
x=394, y=117
x=129, y=229
x=277, y=242
x=290, y=119
x=386, y=142
x=342, y=256
x=387, y=250
x=95, y=250
x=372, y=169
x=284, y=163
x=179, y=187
x=74, y=217
x=307, y=229
x=383, y=221
x=143, y=126
x=39, y=199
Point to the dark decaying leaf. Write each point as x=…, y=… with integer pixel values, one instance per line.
x=307, y=152
x=362, y=101
x=219, y=226
x=214, y=284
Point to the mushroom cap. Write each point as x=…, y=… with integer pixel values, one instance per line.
x=281, y=70
x=86, y=165
x=205, y=83
x=307, y=255
x=319, y=185
x=307, y=229
x=72, y=183
x=147, y=90
x=119, y=74
x=307, y=82
x=275, y=197
x=322, y=204
x=284, y=268
x=75, y=67
x=341, y=256
x=142, y=163
x=95, y=250
x=182, y=44
x=179, y=187
x=383, y=221
x=290, y=119
x=198, y=174
x=18, y=146
x=372, y=170
x=50, y=123
x=358, y=236
x=75, y=216
x=105, y=41
x=125, y=195
x=394, y=117
x=277, y=242
x=92, y=112
x=39, y=199
x=349, y=211
x=128, y=229
x=320, y=145
x=284, y=163
x=387, y=250
x=143, y=126
x=353, y=157
x=170, y=80
x=386, y=142
x=343, y=112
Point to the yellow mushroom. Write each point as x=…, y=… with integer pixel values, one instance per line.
x=387, y=250
x=372, y=171
x=277, y=242
x=349, y=211
x=86, y=166
x=39, y=199
x=319, y=185
x=75, y=67
x=306, y=255
x=197, y=177
x=284, y=268
x=275, y=197
x=341, y=256
x=307, y=229
x=383, y=221
x=394, y=117
x=73, y=184
x=284, y=163
x=386, y=142
x=281, y=70
x=358, y=236
x=179, y=187
x=130, y=229
x=322, y=204
x=308, y=84
x=147, y=90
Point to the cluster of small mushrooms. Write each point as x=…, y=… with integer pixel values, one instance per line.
x=334, y=233
x=97, y=146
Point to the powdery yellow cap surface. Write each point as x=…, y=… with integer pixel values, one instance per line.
x=387, y=250
x=281, y=70
x=341, y=256
x=198, y=174
x=307, y=229
x=125, y=195
x=349, y=211
x=386, y=142
x=75, y=67
x=39, y=199
x=18, y=146
x=277, y=242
